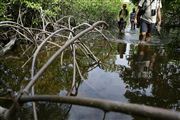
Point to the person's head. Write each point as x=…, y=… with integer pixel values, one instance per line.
x=124, y=6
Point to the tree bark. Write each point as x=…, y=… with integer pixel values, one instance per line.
x=106, y=105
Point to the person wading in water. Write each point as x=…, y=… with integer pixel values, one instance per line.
x=123, y=17
x=132, y=17
x=149, y=12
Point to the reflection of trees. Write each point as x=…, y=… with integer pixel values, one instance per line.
x=162, y=82
x=106, y=55
x=141, y=62
x=57, y=77
x=55, y=111
x=161, y=88
x=153, y=77
x=56, y=80
x=11, y=74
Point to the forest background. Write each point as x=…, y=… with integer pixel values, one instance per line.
x=83, y=10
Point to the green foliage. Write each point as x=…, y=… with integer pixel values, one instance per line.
x=171, y=11
x=3, y=7
x=32, y=5
x=90, y=10
x=83, y=10
x=135, y=2
x=97, y=9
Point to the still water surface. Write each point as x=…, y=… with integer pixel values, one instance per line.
x=130, y=73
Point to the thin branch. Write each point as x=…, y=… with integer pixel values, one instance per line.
x=63, y=18
x=41, y=45
x=16, y=25
x=74, y=66
x=89, y=52
x=39, y=73
x=79, y=71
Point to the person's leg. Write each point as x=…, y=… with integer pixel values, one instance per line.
x=120, y=25
x=149, y=32
x=131, y=24
x=143, y=30
x=134, y=25
x=125, y=24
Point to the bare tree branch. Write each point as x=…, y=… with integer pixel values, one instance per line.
x=106, y=105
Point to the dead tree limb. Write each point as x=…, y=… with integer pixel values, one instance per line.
x=39, y=73
x=16, y=25
x=107, y=105
x=14, y=106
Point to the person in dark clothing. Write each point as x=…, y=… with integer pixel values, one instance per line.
x=123, y=17
x=132, y=18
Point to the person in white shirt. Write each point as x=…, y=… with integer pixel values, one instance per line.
x=148, y=18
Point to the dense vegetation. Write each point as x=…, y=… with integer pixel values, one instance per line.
x=31, y=10
x=171, y=11
x=83, y=10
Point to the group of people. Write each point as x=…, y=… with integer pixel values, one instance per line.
x=146, y=17
x=123, y=18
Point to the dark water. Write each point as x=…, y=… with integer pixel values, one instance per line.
x=129, y=73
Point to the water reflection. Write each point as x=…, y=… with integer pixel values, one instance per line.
x=121, y=49
x=151, y=77
x=143, y=61
x=142, y=74
x=46, y=111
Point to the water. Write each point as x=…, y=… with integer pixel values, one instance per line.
x=129, y=73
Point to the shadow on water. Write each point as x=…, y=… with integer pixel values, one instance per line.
x=130, y=72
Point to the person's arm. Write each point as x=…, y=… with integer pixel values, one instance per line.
x=159, y=16
x=140, y=4
x=137, y=11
